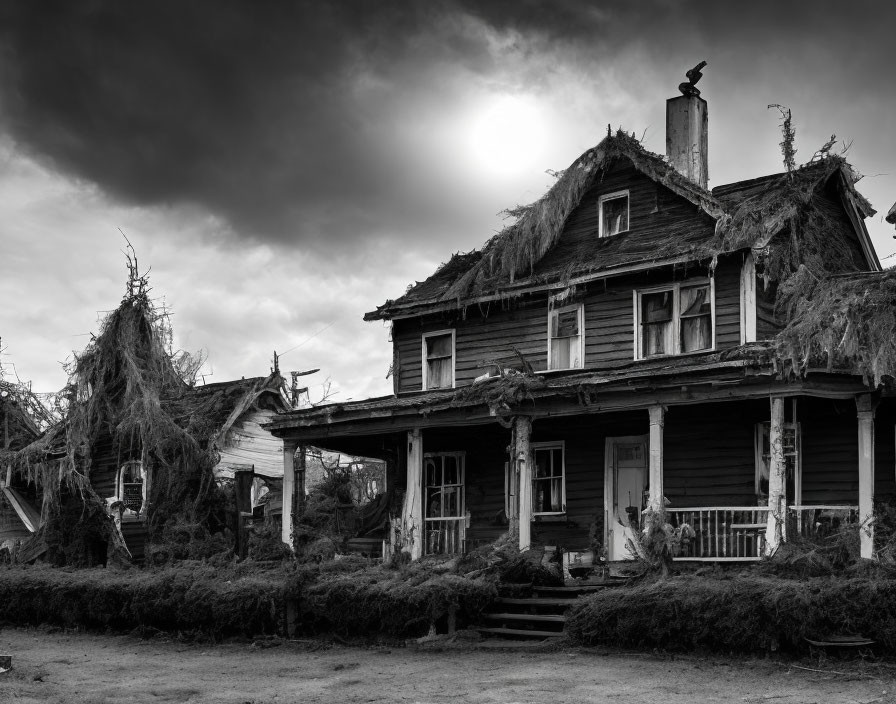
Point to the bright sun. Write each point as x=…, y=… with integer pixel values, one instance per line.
x=506, y=135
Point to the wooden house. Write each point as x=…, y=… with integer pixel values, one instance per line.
x=19, y=519
x=624, y=346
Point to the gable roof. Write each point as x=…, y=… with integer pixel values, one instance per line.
x=746, y=214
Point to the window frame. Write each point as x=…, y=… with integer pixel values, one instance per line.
x=119, y=487
x=580, y=313
x=758, y=438
x=425, y=366
x=600, y=212
x=550, y=445
x=675, y=288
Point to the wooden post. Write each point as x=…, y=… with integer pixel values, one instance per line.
x=412, y=512
x=524, y=459
x=865, y=406
x=775, y=532
x=289, y=486
x=657, y=418
x=300, y=481
x=242, y=482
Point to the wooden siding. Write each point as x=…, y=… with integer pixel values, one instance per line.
x=248, y=443
x=708, y=456
x=830, y=448
x=487, y=334
x=767, y=325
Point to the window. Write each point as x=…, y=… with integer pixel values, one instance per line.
x=438, y=360
x=131, y=486
x=613, y=213
x=674, y=320
x=548, y=479
x=565, y=348
x=445, y=513
x=791, y=441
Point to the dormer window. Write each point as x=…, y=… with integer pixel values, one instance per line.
x=438, y=360
x=565, y=348
x=613, y=213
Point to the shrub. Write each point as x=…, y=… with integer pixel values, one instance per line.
x=737, y=613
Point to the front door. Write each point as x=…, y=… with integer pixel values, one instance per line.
x=626, y=478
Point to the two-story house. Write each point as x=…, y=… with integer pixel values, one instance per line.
x=616, y=349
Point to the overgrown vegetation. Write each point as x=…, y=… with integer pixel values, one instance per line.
x=737, y=612
x=126, y=399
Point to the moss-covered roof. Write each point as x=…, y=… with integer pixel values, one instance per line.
x=522, y=256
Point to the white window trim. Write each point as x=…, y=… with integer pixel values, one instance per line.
x=600, y=212
x=119, y=489
x=798, y=467
x=676, y=320
x=425, y=369
x=580, y=308
x=554, y=445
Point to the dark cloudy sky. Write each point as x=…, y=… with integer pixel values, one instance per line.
x=286, y=166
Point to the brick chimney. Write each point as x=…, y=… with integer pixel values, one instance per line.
x=687, y=128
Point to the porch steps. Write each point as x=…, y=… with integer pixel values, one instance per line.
x=519, y=632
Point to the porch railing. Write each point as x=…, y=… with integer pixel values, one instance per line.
x=444, y=536
x=720, y=533
x=817, y=522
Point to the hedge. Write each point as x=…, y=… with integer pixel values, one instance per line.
x=743, y=613
x=349, y=596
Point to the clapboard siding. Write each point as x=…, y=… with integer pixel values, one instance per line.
x=830, y=448
x=708, y=454
x=885, y=451
x=486, y=335
x=248, y=444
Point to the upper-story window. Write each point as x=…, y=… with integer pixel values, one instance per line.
x=613, y=213
x=438, y=360
x=565, y=339
x=675, y=319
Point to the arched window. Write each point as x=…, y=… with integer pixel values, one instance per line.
x=132, y=486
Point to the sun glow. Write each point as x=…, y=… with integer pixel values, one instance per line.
x=506, y=136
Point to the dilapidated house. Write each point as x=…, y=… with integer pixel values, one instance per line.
x=139, y=446
x=636, y=340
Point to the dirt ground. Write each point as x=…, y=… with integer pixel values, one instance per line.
x=67, y=667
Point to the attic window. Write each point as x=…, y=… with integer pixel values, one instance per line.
x=438, y=360
x=613, y=213
x=676, y=319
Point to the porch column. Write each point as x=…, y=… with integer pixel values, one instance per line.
x=775, y=531
x=523, y=428
x=865, y=406
x=299, y=489
x=655, y=462
x=289, y=488
x=412, y=511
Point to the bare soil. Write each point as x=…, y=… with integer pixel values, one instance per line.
x=75, y=667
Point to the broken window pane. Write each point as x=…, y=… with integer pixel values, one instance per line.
x=615, y=215
x=566, y=339
x=656, y=319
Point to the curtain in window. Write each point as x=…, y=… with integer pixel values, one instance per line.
x=615, y=215
x=656, y=319
x=696, y=319
x=565, y=339
x=439, y=362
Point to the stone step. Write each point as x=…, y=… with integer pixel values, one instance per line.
x=536, y=601
x=521, y=632
x=543, y=618
x=573, y=591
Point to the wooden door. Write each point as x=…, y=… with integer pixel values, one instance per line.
x=626, y=479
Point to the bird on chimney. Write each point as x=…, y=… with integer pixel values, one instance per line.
x=694, y=75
